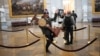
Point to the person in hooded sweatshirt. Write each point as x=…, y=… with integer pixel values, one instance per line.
x=68, y=25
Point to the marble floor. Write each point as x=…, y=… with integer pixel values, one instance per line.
x=24, y=37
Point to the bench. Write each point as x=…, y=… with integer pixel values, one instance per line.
x=16, y=24
x=96, y=20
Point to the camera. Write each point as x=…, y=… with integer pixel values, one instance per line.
x=60, y=12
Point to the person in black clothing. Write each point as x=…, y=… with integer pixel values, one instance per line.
x=68, y=24
x=47, y=31
x=74, y=16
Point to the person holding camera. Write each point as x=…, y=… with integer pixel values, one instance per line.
x=57, y=16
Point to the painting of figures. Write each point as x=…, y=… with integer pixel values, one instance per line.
x=22, y=8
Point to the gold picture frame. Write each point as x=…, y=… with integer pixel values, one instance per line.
x=25, y=8
x=96, y=6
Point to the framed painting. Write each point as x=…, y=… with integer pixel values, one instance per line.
x=24, y=8
x=96, y=6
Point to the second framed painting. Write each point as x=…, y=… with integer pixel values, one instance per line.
x=96, y=6
x=23, y=8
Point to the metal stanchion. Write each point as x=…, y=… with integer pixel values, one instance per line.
x=75, y=31
x=0, y=20
x=88, y=33
x=27, y=29
x=75, y=36
x=44, y=42
x=14, y=52
x=96, y=35
x=55, y=41
x=27, y=34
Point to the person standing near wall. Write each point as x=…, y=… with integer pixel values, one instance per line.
x=34, y=19
x=74, y=16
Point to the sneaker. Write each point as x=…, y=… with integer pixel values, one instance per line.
x=71, y=42
x=75, y=28
x=64, y=38
x=48, y=51
x=54, y=41
x=64, y=41
x=67, y=43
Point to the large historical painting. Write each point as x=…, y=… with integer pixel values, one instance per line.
x=96, y=6
x=23, y=8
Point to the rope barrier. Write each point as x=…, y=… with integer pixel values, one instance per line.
x=73, y=30
x=11, y=30
x=52, y=43
x=75, y=49
x=71, y=50
x=34, y=34
x=79, y=29
x=12, y=47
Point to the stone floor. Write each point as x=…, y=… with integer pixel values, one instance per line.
x=24, y=37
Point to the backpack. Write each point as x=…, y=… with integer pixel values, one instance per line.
x=68, y=21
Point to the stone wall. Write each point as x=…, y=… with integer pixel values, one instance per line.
x=83, y=14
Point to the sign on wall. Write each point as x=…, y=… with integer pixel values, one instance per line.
x=23, y=8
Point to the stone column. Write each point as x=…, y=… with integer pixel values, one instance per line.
x=79, y=10
x=0, y=28
x=0, y=20
x=89, y=10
